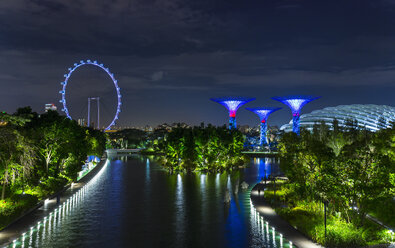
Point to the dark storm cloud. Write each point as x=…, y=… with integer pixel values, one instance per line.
x=164, y=52
x=102, y=27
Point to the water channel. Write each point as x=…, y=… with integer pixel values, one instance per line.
x=133, y=202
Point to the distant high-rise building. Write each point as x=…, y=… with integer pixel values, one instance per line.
x=148, y=128
x=50, y=106
x=81, y=122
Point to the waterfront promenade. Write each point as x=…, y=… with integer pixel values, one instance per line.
x=264, y=209
x=28, y=222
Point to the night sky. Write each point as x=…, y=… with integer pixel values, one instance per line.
x=171, y=56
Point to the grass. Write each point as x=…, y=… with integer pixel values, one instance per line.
x=308, y=217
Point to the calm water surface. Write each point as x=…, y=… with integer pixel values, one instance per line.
x=133, y=202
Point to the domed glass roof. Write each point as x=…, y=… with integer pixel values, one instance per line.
x=369, y=116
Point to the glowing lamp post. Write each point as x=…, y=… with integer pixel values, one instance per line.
x=263, y=114
x=295, y=103
x=232, y=104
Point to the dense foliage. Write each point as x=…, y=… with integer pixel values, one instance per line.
x=39, y=154
x=351, y=169
x=202, y=148
x=128, y=139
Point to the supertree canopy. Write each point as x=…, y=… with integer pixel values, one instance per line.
x=263, y=114
x=232, y=104
x=295, y=103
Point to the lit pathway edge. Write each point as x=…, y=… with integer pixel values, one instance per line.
x=298, y=239
x=27, y=224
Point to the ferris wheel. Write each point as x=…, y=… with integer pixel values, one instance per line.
x=101, y=66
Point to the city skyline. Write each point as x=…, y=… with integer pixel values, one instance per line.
x=171, y=57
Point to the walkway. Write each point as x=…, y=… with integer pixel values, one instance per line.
x=264, y=209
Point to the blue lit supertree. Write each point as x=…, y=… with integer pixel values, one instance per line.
x=295, y=103
x=263, y=114
x=232, y=104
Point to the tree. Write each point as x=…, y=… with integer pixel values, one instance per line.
x=203, y=148
x=8, y=145
x=367, y=173
x=26, y=151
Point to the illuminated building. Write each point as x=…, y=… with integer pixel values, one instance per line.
x=82, y=122
x=50, y=106
x=295, y=103
x=263, y=114
x=369, y=116
x=232, y=104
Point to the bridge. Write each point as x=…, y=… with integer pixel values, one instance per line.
x=122, y=151
x=261, y=153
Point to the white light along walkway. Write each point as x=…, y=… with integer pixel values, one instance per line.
x=24, y=227
x=292, y=234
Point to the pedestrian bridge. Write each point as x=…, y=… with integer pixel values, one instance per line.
x=121, y=151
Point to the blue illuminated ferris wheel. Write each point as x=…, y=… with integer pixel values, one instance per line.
x=94, y=63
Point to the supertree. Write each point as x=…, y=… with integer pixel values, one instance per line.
x=263, y=113
x=295, y=103
x=232, y=104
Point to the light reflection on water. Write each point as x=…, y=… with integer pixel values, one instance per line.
x=134, y=202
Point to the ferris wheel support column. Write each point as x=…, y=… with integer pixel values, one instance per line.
x=98, y=113
x=89, y=111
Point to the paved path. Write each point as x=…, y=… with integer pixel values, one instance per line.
x=289, y=232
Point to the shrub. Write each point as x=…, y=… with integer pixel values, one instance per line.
x=340, y=234
x=12, y=208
